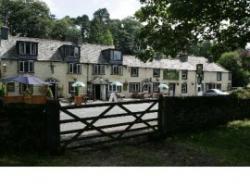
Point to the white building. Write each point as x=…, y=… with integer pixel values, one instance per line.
x=61, y=63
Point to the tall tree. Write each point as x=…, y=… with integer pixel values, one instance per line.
x=65, y=29
x=125, y=34
x=172, y=25
x=27, y=17
x=84, y=23
x=233, y=62
x=99, y=28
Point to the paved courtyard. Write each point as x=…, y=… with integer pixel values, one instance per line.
x=96, y=111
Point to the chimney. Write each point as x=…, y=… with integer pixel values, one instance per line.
x=183, y=57
x=4, y=34
x=210, y=59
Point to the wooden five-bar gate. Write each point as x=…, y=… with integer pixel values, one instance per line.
x=93, y=124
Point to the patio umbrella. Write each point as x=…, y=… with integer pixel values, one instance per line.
x=25, y=79
x=78, y=84
x=163, y=86
x=116, y=83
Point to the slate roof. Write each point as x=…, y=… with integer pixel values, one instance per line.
x=174, y=64
x=48, y=50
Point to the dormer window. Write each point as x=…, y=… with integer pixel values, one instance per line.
x=27, y=48
x=112, y=56
x=70, y=52
x=116, y=55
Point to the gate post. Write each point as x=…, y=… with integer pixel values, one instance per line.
x=53, y=126
x=162, y=117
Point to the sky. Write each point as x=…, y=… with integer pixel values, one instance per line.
x=118, y=9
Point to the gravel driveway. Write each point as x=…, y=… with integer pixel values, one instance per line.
x=96, y=111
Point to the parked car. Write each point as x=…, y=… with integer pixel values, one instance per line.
x=214, y=92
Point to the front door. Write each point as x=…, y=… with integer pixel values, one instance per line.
x=171, y=89
x=53, y=88
x=97, y=93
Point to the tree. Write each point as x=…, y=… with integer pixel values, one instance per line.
x=99, y=28
x=201, y=49
x=232, y=61
x=28, y=18
x=170, y=26
x=125, y=34
x=84, y=23
x=65, y=29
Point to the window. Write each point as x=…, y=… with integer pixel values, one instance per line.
x=24, y=88
x=27, y=48
x=170, y=75
x=156, y=72
x=145, y=87
x=210, y=86
x=11, y=87
x=156, y=87
x=116, y=70
x=134, y=87
x=218, y=86
x=229, y=76
x=184, y=75
x=114, y=88
x=26, y=66
x=98, y=69
x=184, y=88
x=74, y=68
x=71, y=88
x=71, y=51
x=116, y=55
x=134, y=72
x=219, y=76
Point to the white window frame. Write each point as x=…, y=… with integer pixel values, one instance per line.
x=156, y=87
x=134, y=87
x=98, y=69
x=184, y=75
x=219, y=76
x=134, y=72
x=158, y=74
x=184, y=88
x=116, y=70
x=30, y=64
x=72, y=69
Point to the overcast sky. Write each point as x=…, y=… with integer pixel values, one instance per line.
x=117, y=8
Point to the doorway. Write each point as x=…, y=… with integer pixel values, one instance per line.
x=172, y=89
x=97, y=93
x=53, y=88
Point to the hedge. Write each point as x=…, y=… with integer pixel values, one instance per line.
x=190, y=113
x=27, y=128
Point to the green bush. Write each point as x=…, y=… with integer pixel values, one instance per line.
x=193, y=113
x=243, y=93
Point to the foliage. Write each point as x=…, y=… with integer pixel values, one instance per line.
x=27, y=18
x=232, y=61
x=171, y=75
x=125, y=34
x=243, y=93
x=84, y=23
x=203, y=48
x=99, y=28
x=64, y=29
x=194, y=113
x=171, y=26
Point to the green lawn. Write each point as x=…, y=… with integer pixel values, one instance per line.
x=224, y=146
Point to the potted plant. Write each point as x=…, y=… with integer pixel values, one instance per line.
x=78, y=99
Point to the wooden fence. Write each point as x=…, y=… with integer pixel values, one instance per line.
x=94, y=124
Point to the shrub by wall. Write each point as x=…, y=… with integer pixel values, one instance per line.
x=26, y=130
x=191, y=113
